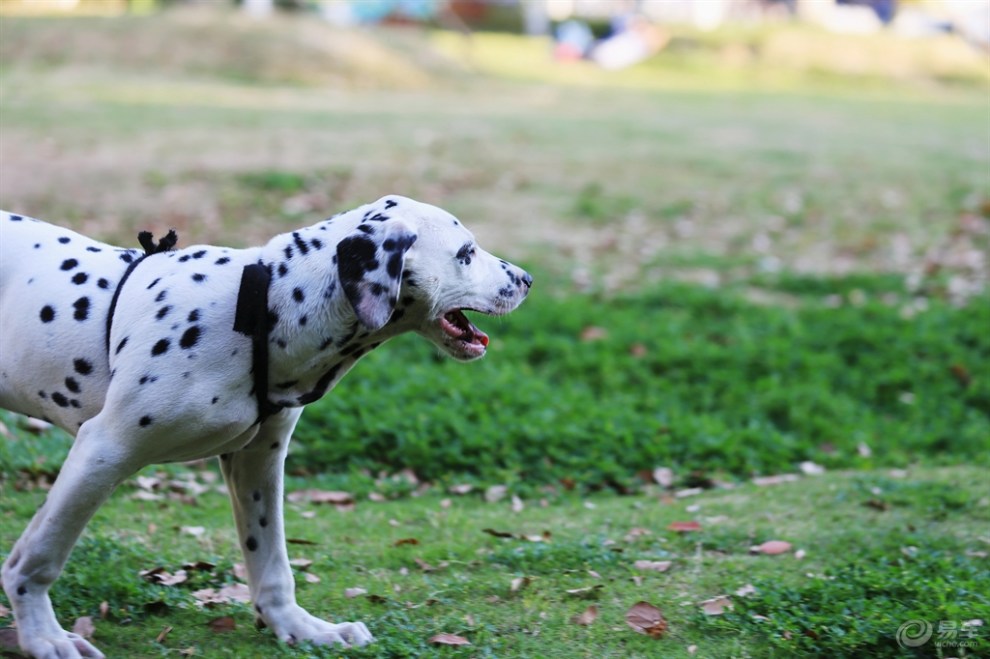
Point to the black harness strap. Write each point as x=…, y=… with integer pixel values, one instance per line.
x=150, y=248
x=251, y=318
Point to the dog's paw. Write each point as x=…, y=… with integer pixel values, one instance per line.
x=295, y=625
x=58, y=645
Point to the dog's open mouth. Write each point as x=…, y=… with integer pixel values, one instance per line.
x=457, y=326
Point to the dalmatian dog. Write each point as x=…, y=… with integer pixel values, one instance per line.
x=173, y=355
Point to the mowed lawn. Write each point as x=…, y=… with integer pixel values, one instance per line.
x=774, y=290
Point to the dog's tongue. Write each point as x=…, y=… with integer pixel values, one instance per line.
x=463, y=329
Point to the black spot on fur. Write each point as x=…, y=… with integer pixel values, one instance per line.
x=160, y=348
x=303, y=320
x=82, y=309
x=153, y=284
x=47, y=314
x=102, y=283
x=72, y=385
x=82, y=366
x=126, y=258
x=193, y=316
x=21, y=590
x=59, y=399
x=69, y=264
x=316, y=243
x=80, y=278
x=390, y=204
x=370, y=230
x=275, y=446
x=16, y=218
x=283, y=270
x=300, y=244
x=200, y=254
x=189, y=337
x=144, y=421
x=298, y=295
x=93, y=249
x=263, y=522
x=120, y=346
x=198, y=277
x=251, y=543
x=161, y=296
x=64, y=240
x=394, y=267
x=256, y=495
x=288, y=252
x=214, y=401
x=163, y=312
x=223, y=260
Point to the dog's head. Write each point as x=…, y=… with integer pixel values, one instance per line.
x=415, y=267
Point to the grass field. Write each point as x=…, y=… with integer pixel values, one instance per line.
x=744, y=270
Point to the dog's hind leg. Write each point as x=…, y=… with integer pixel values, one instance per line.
x=254, y=477
x=95, y=466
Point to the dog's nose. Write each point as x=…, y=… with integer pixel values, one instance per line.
x=527, y=279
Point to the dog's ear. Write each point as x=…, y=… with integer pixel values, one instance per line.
x=370, y=263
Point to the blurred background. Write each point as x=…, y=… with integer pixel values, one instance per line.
x=614, y=140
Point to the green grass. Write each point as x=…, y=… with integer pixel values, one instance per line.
x=879, y=551
x=833, y=209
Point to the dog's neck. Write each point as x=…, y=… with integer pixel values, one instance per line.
x=306, y=358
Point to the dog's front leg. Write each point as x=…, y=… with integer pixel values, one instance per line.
x=97, y=463
x=254, y=477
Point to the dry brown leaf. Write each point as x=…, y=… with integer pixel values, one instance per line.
x=498, y=534
x=84, y=627
x=684, y=527
x=773, y=547
x=334, y=498
x=222, y=624
x=162, y=634
x=592, y=333
x=716, y=606
x=664, y=477
x=519, y=583
x=198, y=566
x=588, y=592
x=104, y=609
x=653, y=566
x=496, y=493
x=301, y=563
x=763, y=481
x=405, y=541
x=586, y=617
x=351, y=593
x=449, y=639
x=309, y=577
x=236, y=592
x=647, y=619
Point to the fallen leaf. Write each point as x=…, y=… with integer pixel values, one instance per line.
x=377, y=497
x=746, y=590
x=162, y=634
x=199, y=566
x=763, y=481
x=594, y=574
x=449, y=639
x=592, y=333
x=691, y=649
x=773, y=547
x=240, y=571
x=586, y=617
x=653, y=566
x=496, y=493
x=517, y=504
x=236, y=592
x=799, y=554
x=331, y=497
x=588, y=592
x=301, y=563
x=684, y=527
x=405, y=541
x=647, y=619
x=519, y=583
x=351, y=593
x=636, y=532
x=462, y=488
x=309, y=577
x=811, y=469
x=223, y=624
x=664, y=477
x=104, y=610
x=84, y=627
x=716, y=606
x=194, y=531
x=689, y=492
